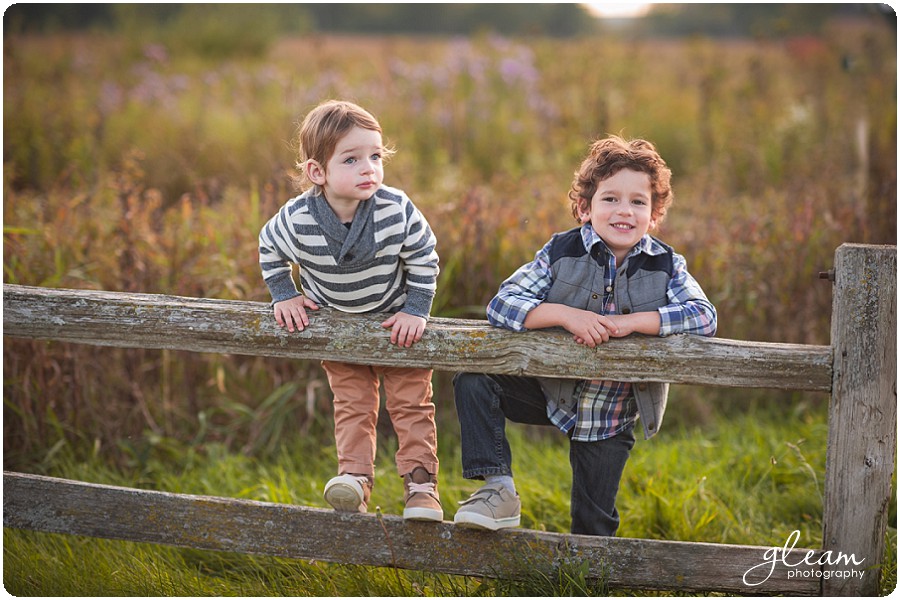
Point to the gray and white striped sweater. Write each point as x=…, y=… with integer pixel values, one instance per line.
x=384, y=262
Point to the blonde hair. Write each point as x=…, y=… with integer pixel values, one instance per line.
x=610, y=155
x=323, y=128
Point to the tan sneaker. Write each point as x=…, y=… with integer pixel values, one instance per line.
x=421, y=496
x=491, y=507
x=349, y=493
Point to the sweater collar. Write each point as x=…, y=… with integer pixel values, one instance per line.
x=340, y=238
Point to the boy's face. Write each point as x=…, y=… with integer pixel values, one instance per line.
x=355, y=169
x=620, y=211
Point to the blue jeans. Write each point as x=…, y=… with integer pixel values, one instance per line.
x=484, y=403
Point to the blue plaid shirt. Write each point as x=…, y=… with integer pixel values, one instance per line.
x=604, y=408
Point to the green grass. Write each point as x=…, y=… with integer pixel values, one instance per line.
x=750, y=479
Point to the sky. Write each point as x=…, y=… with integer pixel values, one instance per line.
x=617, y=9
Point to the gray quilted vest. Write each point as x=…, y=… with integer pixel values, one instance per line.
x=640, y=285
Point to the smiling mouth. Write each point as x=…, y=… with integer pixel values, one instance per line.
x=622, y=226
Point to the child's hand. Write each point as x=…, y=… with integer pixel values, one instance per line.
x=291, y=313
x=639, y=322
x=589, y=328
x=406, y=329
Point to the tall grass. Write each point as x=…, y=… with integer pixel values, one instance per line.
x=140, y=164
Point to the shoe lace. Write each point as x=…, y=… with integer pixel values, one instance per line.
x=421, y=488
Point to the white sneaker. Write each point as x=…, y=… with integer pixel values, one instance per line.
x=349, y=493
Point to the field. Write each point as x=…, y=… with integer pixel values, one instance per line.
x=136, y=166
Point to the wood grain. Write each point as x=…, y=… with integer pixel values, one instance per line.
x=223, y=524
x=862, y=432
x=238, y=327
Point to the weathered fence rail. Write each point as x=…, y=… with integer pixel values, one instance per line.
x=232, y=327
x=858, y=368
x=251, y=527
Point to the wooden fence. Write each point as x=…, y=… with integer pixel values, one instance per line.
x=858, y=369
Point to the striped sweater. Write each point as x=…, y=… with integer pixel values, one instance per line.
x=385, y=261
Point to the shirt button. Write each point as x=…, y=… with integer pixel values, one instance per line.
x=594, y=296
x=609, y=288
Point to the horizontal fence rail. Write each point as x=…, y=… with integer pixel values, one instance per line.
x=252, y=527
x=240, y=327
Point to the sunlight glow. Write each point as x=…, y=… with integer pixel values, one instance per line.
x=614, y=10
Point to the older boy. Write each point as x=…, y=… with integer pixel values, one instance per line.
x=607, y=278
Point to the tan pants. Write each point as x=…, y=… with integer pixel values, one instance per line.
x=356, y=402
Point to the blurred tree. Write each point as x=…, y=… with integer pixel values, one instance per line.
x=47, y=18
x=552, y=19
x=53, y=17
x=437, y=19
x=742, y=20
x=454, y=19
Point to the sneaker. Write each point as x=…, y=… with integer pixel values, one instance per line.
x=421, y=496
x=349, y=493
x=491, y=507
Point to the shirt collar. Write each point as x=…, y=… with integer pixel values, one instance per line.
x=647, y=244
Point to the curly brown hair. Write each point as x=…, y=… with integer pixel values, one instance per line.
x=610, y=155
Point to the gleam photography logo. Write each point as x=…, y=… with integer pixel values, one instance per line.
x=826, y=565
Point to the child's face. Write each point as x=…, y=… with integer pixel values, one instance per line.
x=620, y=211
x=355, y=169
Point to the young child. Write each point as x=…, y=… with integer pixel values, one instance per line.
x=361, y=247
x=607, y=278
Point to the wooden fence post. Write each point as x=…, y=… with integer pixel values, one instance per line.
x=862, y=426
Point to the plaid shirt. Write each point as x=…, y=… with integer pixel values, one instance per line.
x=603, y=408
